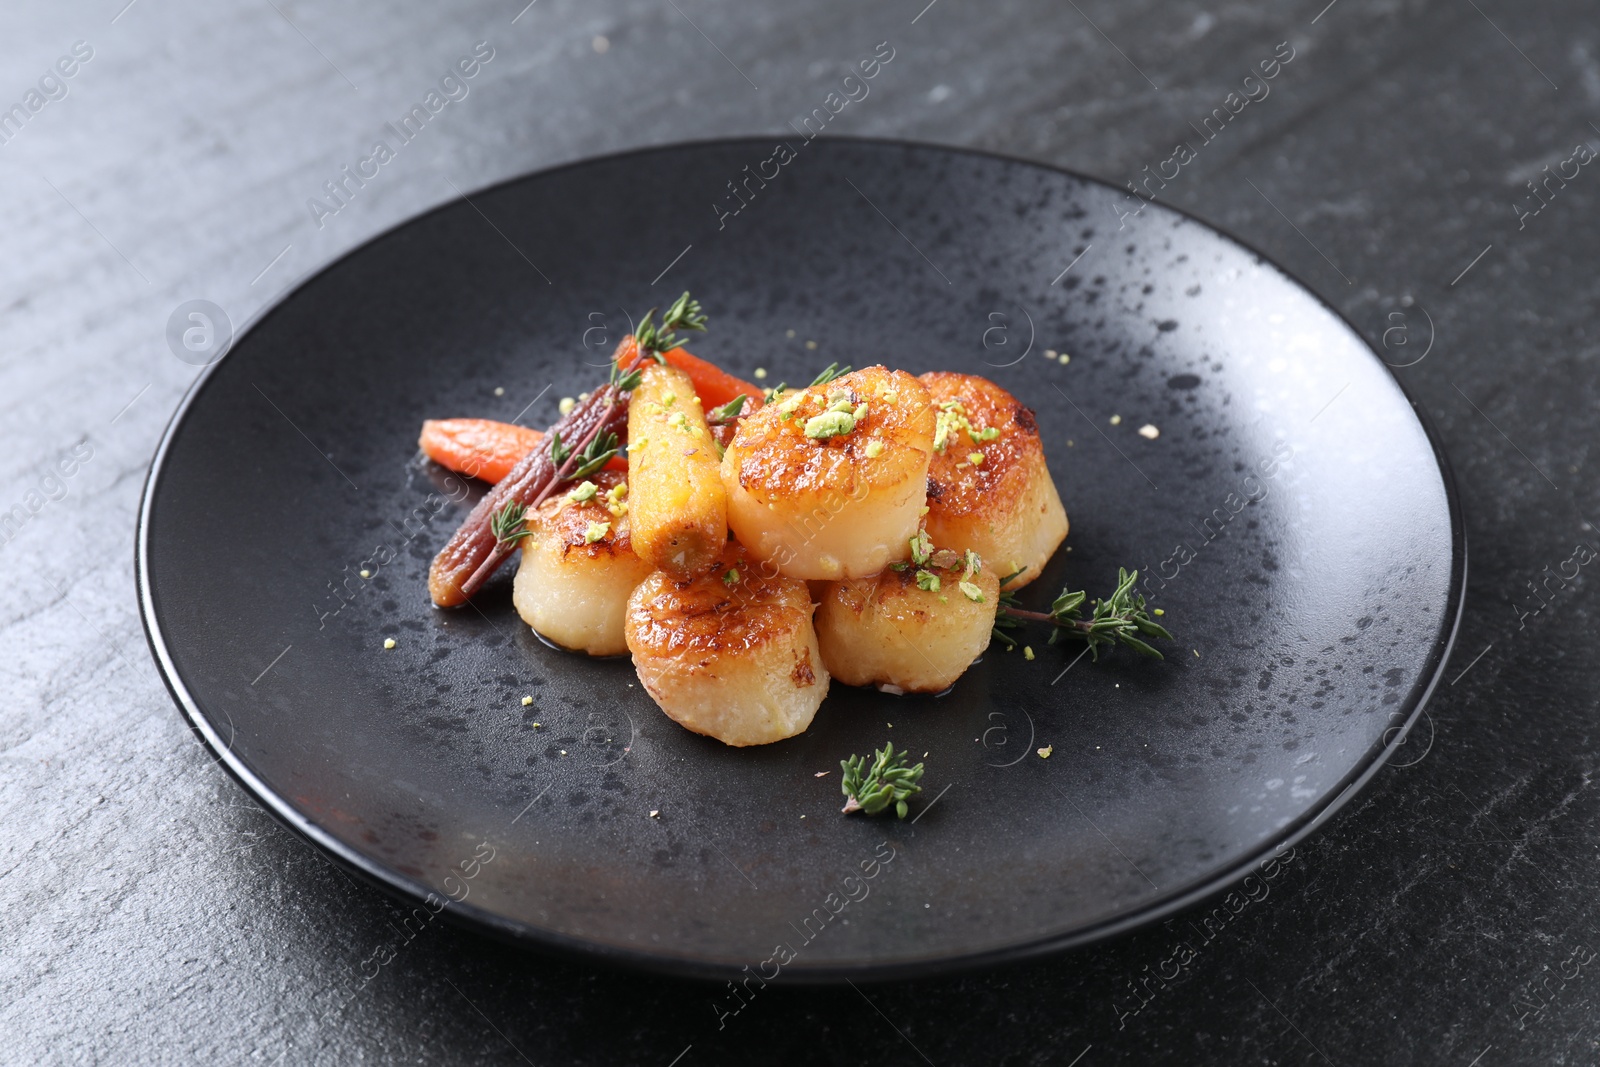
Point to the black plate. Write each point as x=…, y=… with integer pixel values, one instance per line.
x=1314, y=597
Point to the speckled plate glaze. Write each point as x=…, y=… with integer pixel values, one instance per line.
x=1295, y=517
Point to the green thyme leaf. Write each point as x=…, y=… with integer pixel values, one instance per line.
x=683, y=314
x=596, y=454
x=829, y=373
x=727, y=412
x=509, y=524
x=1119, y=619
x=873, y=787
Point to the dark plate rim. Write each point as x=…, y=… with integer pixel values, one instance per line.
x=585, y=950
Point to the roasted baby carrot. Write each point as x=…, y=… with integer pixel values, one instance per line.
x=713, y=385
x=675, y=496
x=478, y=448
x=483, y=448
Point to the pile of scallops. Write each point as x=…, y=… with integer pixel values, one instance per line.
x=857, y=530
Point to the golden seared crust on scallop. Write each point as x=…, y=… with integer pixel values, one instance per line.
x=917, y=629
x=578, y=566
x=828, y=482
x=988, y=486
x=732, y=655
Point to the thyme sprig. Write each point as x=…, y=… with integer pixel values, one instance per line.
x=1004, y=619
x=595, y=455
x=1121, y=618
x=683, y=314
x=727, y=412
x=509, y=524
x=558, y=449
x=625, y=381
x=828, y=374
x=887, y=780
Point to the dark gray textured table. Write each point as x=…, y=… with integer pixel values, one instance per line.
x=149, y=911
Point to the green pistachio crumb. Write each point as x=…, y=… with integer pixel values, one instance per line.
x=921, y=547
x=830, y=424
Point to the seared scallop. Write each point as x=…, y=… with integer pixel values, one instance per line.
x=914, y=628
x=578, y=566
x=829, y=482
x=988, y=487
x=733, y=654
